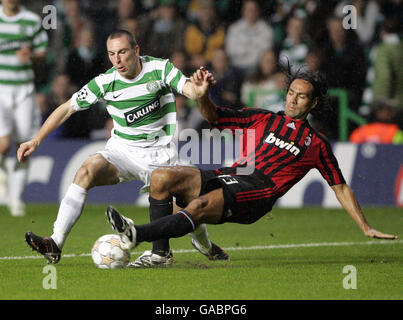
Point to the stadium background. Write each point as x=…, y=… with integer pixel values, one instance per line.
x=198, y=32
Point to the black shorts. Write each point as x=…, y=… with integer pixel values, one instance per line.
x=247, y=198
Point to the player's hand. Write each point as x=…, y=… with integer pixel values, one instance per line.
x=202, y=80
x=24, y=54
x=209, y=76
x=26, y=149
x=372, y=233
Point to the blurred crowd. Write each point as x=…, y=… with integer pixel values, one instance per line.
x=245, y=44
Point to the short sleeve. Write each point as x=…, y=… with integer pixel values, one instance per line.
x=173, y=77
x=328, y=166
x=87, y=96
x=40, y=40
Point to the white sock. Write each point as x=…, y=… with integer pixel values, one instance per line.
x=18, y=180
x=69, y=211
x=201, y=236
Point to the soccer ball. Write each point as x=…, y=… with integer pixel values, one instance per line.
x=107, y=253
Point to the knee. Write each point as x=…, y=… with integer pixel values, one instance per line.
x=88, y=174
x=161, y=180
x=5, y=145
x=96, y=171
x=198, y=204
x=196, y=207
x=84, y=176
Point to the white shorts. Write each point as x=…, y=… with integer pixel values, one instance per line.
x=19, y=112
x=137, y=163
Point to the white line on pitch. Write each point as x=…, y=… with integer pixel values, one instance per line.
x=268, y=247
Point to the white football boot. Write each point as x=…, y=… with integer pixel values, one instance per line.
x=213, y=253
x=124, y=226
x=150, y=260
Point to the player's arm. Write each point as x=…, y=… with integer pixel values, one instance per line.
x=56, y=118
x=201, y=80
x=345, y=195
x=25, y=55
x=190, y=91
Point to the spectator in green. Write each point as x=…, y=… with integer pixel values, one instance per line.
x=388, y=83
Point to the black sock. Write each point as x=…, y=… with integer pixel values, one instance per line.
x=172, y=226
x=158, y=210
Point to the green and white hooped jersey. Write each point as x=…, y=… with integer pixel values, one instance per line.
x=25, y=28
x=143, y=109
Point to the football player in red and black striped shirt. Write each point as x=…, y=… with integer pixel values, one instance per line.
x=284, y=149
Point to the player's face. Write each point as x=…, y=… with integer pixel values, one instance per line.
x=124, y=57
x=11, y=4
x=299, y=101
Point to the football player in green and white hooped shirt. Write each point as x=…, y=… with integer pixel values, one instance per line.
x=23, y=41
x=137, y=91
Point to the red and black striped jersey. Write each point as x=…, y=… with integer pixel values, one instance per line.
x=283, y=149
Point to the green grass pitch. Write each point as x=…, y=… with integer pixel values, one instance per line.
x=288, y=254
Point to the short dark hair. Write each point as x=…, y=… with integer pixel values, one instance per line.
x=121, y=32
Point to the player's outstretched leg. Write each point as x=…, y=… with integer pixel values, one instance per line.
x=172, y=226
x=124, y=226
x=127, y=232
x=45, y=246
x=207, y=208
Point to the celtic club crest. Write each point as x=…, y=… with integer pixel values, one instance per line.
x=153, y=86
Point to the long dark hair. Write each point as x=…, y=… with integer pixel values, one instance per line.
x=318, y=82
